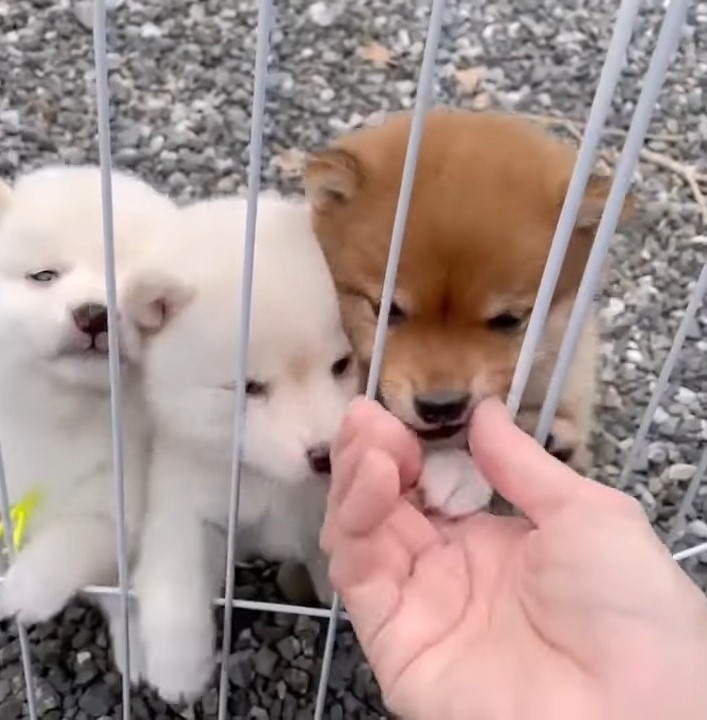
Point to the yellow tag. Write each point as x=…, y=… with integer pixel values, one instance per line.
x=20, y=514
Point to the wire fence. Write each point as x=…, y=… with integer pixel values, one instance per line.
x=665, y=47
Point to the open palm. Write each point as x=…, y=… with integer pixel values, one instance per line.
x=494, y=617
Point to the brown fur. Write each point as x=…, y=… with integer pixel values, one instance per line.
x=487, y=196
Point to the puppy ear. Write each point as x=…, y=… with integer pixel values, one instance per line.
x=152, y=301
x=5, y=197
x=331, y=177
x=592, y=206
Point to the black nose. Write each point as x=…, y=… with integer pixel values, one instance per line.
x=443, y=406
x=91, y=318
x=318, y=458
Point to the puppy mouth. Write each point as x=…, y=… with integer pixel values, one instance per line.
x=444, y=432
x=91, y=353
x=439, y=432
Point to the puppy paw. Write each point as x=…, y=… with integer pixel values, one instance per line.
x=137, y=658
x=112, y=607
x=564, y=441
x=452, y=485
x=178, y=655
x=33, y=591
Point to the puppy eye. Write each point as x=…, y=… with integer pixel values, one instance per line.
x=341, y=366
x=396, y=316
x=43, y=276
x=255, y=389
x=505, y=322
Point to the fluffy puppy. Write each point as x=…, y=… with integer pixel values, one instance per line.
x=300, y=381
x=55, y=424
x=487, y=196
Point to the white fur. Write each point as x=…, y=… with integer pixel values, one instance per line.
x=452, y=484
x=190, y=370
x=55, y=424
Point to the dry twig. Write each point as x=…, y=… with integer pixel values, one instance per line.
x=687, y=173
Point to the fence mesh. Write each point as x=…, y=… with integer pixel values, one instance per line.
x=668, y=38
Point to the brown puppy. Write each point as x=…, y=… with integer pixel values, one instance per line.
x=487, y=196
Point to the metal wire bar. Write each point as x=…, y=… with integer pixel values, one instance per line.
x=690, y=552
x=665, y=47
x=99, y=591
x=662, y=382
x=9, y=542
x=116, y=408
x=601, y=105
x=678, y=524
x=265, y=13
x=423, y=99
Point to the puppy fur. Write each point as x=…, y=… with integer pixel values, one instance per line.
x=55, y=422
x=486, y=199
x=301, y=379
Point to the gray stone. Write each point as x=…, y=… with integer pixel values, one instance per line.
x=97, y=700
x=241, y=668
x=46, y=697
x=297, y=680
x=680, y=472
x=265, y=661
x=181, y=79
x=11, y=709
x=698, y=528
x=289, y=648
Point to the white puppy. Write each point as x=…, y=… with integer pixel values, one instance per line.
x=300, y=381
x=55, y=426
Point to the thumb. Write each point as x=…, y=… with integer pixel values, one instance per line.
x=517, y=467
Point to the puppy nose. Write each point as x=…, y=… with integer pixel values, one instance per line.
x=443, y=406
x=91, y=318
x=318, y=458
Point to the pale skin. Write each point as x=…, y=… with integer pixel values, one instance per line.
x=576, y=611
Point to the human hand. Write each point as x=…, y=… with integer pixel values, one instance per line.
x=577, y=612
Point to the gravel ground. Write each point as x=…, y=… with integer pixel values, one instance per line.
x=181, y=82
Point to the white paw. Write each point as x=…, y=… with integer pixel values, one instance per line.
x=34, y=590
x=112, y=607
x=137, y=658
x=452, y=485
x=179, y=653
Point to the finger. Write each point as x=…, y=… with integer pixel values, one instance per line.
x=364, y=499
x=364, y=570
x=372, y=495
x=517, y=467
x=358, y=412
x=373, y=500
x=368, y=426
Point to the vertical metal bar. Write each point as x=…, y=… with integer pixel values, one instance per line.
x=678, y=525
x=601, y=105
x=25, y=652
x=116, y=407
x=265, y=12
x=666, y=45
x=423, y=99
x=664, y=376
